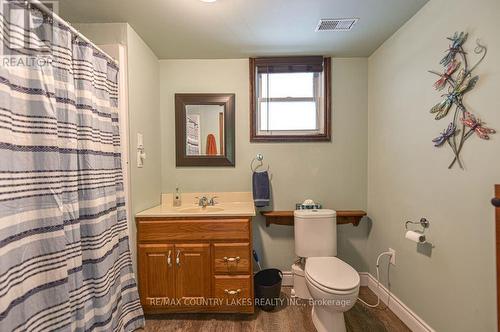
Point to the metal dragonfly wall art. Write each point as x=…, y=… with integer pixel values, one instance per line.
x=458, y=78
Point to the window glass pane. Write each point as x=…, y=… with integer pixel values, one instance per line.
x=287, y=85
x=288, y=116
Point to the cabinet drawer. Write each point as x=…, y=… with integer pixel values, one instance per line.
x=193, y=229
x=232, y=258
x=235, y=292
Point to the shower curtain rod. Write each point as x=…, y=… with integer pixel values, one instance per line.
x=55, y=17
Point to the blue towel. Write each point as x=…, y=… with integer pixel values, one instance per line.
x=261, y=192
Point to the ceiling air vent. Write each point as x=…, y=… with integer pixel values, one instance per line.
x=336, y=24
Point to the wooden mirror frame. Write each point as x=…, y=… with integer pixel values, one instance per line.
x=223, y=99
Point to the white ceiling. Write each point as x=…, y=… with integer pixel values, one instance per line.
x=188, y=29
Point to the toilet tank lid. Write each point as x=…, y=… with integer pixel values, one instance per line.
x=316, y=213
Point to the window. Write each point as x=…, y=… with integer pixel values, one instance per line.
x=290, y=99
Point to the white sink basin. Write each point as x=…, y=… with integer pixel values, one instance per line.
x=199, y=209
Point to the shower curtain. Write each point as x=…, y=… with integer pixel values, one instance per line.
x=65, y=263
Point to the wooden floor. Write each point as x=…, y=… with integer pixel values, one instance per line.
x=287, y=318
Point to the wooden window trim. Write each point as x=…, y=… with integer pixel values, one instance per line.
x=323, y=137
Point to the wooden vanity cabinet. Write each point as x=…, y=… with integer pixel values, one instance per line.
x=195, y=264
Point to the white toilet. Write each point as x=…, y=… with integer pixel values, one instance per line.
x=332, y=284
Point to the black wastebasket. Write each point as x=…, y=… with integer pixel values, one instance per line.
x=267, y=285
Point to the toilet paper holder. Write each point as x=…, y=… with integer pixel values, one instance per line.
x=424, y=223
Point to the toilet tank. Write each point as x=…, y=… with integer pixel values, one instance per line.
x=315, y=233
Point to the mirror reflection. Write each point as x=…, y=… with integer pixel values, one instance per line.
x=204, y=130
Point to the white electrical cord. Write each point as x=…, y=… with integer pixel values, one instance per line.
x=388, y=253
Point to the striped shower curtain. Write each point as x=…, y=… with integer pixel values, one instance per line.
x=65, y=263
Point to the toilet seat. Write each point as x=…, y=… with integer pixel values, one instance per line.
x=330, y=291
x=331, y=275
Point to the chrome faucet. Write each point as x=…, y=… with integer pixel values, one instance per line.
x=204, y=201
x=212, y=201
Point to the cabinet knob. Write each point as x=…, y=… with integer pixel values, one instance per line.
x=232, y=292
x=231, y=259
x=169, y=260
x=177, y=259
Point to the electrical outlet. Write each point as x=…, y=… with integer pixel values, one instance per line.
x=393, y=256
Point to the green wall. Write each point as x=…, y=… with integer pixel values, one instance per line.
x=452, y=286
x=333, y=173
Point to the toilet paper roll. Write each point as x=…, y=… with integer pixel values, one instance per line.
x=415, y=237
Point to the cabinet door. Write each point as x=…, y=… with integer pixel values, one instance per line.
x=156, y=274
x=193, y=276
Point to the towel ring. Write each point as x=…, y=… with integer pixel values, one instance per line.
x=259, y=157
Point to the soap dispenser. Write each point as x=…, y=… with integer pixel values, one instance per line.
x=177, y=197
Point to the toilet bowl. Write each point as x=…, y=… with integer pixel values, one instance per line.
x=334, y=287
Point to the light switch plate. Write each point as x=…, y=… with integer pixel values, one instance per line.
x=140, y=140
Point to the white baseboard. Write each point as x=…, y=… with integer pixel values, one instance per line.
x=407, y=316
x=287, y=279
x=363, y=278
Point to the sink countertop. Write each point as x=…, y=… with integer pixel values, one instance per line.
x=231, y=203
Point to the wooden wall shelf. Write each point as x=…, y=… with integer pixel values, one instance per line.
x=286, y=217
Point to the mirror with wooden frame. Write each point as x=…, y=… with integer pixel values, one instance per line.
x=204, y=129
